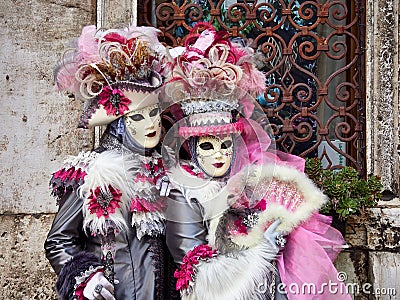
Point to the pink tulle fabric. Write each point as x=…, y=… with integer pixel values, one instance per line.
x=306, y=264
x=255, y=148
x=308, y=256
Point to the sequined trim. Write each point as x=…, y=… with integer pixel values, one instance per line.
x=85, y=275
x=186, y=132
x=206, y=105
x=109, y=142
x=93, y=105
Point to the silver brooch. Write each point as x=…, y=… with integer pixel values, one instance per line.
x=251, y=220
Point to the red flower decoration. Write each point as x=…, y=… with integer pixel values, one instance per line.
x=191, y=172
x=261, y=205
x=240, y=227
x=104, y=204
x=114, y=101
x=115, y=37
x=186, y=273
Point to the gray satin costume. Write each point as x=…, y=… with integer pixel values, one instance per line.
x=134, y=264
x=142, y=267
x=186, y=229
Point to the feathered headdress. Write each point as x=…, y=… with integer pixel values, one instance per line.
x=115, y=71
x=209, y=79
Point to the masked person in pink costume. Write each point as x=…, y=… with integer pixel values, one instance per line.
x=242, y=219
x=107, y=239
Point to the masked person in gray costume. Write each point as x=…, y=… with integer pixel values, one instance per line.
x=242, y=219
x=107, y=239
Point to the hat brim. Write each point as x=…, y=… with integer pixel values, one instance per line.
x=99, y=116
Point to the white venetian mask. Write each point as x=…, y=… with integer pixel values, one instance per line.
x=144, y=125
x=214, y=154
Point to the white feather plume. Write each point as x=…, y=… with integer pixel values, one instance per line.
x=107, y=169
x=235, y=278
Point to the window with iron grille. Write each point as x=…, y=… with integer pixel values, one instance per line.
x=312, y=55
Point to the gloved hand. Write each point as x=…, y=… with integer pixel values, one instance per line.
x=98, y=287
x=163, y=185
x=274, y=237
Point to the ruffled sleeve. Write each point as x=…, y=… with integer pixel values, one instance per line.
x=236, y=276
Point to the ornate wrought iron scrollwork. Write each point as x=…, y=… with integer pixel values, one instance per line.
x=312, y=57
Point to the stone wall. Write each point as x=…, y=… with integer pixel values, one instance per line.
x=383, y=105
x=373, y=259
x=38, y=125
x=38, y=129
x=25, y=272
x=372, y=263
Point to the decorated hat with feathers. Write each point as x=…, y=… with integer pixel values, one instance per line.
x=114, y=71
x=209, y=79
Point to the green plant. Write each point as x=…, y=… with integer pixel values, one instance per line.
x=348, y=193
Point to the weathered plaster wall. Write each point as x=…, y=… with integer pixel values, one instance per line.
x=116, y=13
x=38, y=129
x=38, y=126
x=25, y=273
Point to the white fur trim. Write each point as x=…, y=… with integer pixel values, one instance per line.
x=234, y=278
x=209, y=193
x=107, y=169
